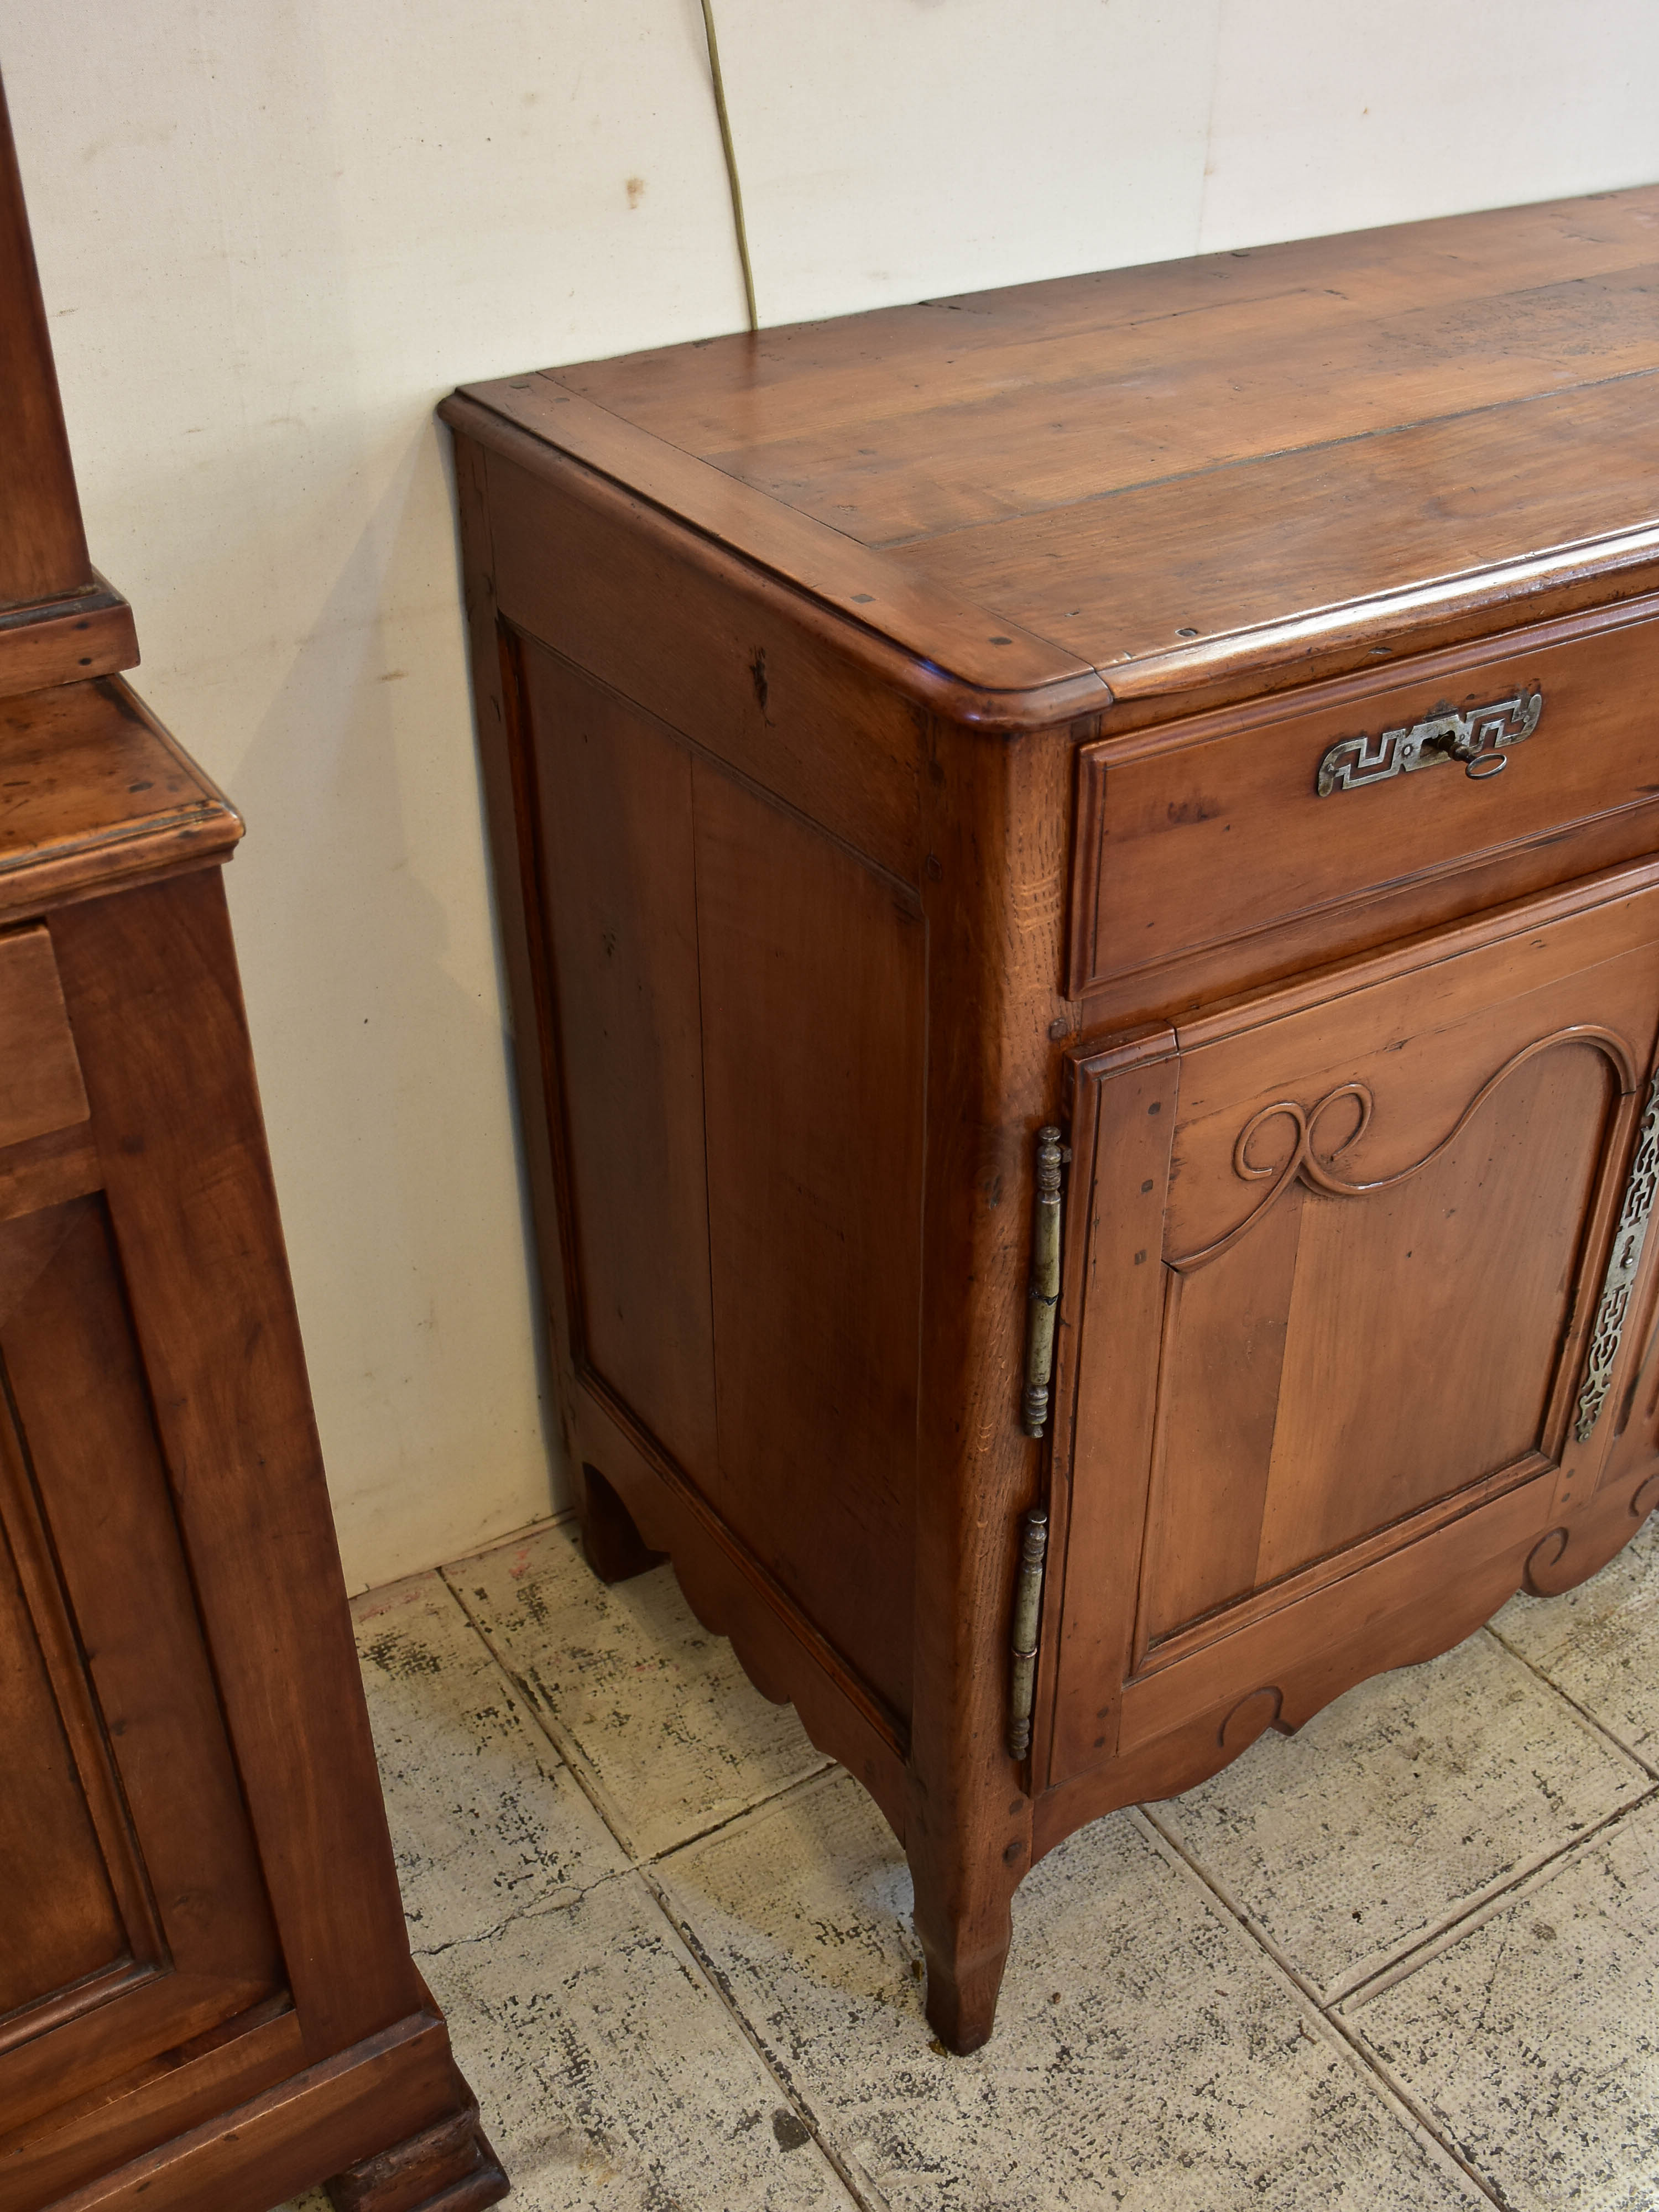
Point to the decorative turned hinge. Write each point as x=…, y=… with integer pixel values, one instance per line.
x=1044, y=1295
x=1623, y=1262
x=1028, y=1610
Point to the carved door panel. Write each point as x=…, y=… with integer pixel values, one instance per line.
x=1335, y=1258
x=133, y=1918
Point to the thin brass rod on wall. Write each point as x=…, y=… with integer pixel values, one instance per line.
x=730, y=161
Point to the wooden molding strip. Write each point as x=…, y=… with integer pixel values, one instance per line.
x=1516, y=917
x=1227, y=1620
x=48, y=1171
x=66, y=641
x=1262, y=1650
x=285, y=2140
x=83, y=764
x=1395, y=613
x=1429, y=667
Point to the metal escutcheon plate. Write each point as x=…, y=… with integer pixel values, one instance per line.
x=1480, y=739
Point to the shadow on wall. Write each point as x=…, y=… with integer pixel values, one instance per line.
x=366, y=740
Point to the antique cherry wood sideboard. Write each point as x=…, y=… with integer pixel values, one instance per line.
x=1121, y=815
x=207, y=2000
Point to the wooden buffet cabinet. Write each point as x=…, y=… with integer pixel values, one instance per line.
x=207, y=2000
x=1124, y=809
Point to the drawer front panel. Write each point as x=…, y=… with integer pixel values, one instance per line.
x=1201, y=836
x=40, y=1086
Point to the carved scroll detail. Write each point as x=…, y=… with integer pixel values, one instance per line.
x=1304, y=1163
x=1252, y=1715
x=1623, y=1262
x=1540, y=1579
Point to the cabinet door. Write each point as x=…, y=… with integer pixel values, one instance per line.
x=134, y=1919
x=1335, y=1256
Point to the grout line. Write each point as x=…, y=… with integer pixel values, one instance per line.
x=542, y=1714
x=540, y=1909
x=1393, y=2092
x=1647, y=1765
x=586, y=1775
x=1447, y=1938
x=775, y=2067
x=644, y=1865
x=1402, y=1962
x=819, y=1774
x=1390, y=2085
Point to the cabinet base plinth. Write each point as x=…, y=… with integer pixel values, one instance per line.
x=447, y=2167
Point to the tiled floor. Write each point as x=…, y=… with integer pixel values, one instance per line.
x=1408, y=1960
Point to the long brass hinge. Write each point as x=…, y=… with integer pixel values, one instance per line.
x=1043, y=1294
x=1042, y=1302
x=1614, y=1306
x=1028, y=1614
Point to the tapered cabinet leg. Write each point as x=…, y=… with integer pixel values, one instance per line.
x=964, y=1927
x=611, y=1545
x=447, y=2167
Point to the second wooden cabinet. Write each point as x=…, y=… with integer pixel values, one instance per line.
x=1118, y=816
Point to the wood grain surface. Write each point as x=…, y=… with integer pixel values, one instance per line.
x=1175, y=473
x=97, y=793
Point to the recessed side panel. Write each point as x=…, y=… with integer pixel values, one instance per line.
x=812, y=967
x=61, y=1924
x=41, y=1085
x=143, y=1922
x=612, y=798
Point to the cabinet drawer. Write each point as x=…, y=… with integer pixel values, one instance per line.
x=40, y=1086
x=1205, y=833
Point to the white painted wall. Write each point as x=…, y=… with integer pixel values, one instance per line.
x=272, y=233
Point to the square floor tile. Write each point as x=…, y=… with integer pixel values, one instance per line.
x=611, y=2077
x=673, y=1736
x=1398, y=1809
x=608, y=2071
x=1147, y=2056
x=1600, y=1642
x=611, y=2074
x=1532, y=2039
x=487, y=1821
